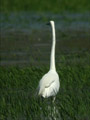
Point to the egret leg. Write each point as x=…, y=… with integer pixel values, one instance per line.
x=54, y=99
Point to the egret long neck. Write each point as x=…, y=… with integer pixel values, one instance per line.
x=52, y=58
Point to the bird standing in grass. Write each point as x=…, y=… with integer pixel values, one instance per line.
x=49, y=83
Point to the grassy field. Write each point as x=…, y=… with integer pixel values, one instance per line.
x=45, y=6
x=18, y=82
x=18, y=86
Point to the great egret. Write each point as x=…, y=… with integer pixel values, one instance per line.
x=49, y=83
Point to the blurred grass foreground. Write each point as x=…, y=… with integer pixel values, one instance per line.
x=18, y=100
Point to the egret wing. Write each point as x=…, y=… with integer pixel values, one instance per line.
x=49, y=84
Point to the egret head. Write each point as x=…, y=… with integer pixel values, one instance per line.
x=50, y=23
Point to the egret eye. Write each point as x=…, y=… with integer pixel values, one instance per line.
x=48, y=23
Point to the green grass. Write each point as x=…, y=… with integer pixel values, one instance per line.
x=17, y=93
x=45, y=5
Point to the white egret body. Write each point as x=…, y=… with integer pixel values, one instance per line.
x=49, y=83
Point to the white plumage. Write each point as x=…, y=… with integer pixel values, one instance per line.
x=49, y=83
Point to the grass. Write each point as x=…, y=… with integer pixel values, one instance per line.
x=45, y=6
x=17, y=93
